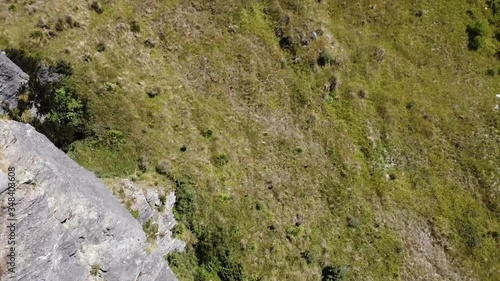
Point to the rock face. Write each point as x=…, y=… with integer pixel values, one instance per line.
x=68, y=223
x=12, y=79
x=154, y=208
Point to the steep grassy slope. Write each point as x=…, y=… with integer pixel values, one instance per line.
x=370, y=152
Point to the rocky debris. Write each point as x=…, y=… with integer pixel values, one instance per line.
x=313, y=35
x=147, y=201
x=298, y=220
x=153, y=198
x=12, y=80
x=43, y=23
x=352, y=222
x=139, y=202
x=150, y=43
x=421, y=13
x=122, y=27
x=47, y=75
x=232, y=29
x=332, y=85
x=153, y=91
x=68, y=223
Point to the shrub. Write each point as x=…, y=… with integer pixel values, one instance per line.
x=151, y=230
x=63, y=68
x=94, y=269
x=220, y=160
x=207, y=133
x=154, y=91
x=59, y=24
x=308, y=256
x=36, y=34
x=101, y=47
x=134, y=213
x=333, y=273
x=213, y=252
x=135, y=27
x=143, y=163
x=495, y=7
x=185, y=205
x=163, y=168
x=294, y=232
x=69, y=20
x=182, y=263
x=325, y=58
x=114, y=137
x=96, y=7
x=478, y=33
x=67, y=119
x=202, y=274
x=67, y=108
x=468, y=232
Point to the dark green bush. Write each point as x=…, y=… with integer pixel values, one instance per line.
x=135, y=27
x=66, y=119
x=468, y=232
x=495, y=7
x=65, y=113
x=183, y=264
x=185, y=206
x=113, y=138
x=333, y=273
x=96, y=7
x=211, y=256
x=101, y=47
x=62, y=67
x=214, y=254
x=478, y=33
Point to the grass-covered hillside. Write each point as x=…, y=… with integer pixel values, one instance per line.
x=305, y=140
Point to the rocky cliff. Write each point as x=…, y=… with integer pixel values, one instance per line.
x=69, y=226
x=12, y=79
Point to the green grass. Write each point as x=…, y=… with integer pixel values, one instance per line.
x=413, y=158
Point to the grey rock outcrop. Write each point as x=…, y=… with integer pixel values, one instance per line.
x=68, y=223
x=146, y=201
x=12, y=79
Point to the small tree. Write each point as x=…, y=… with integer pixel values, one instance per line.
x=66, y=119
